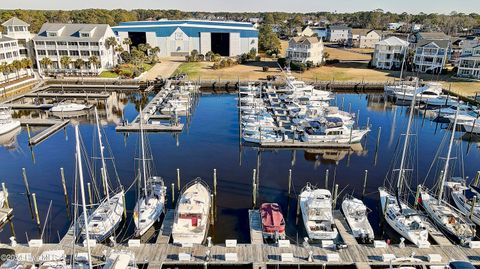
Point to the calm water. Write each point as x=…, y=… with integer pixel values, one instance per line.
x=211, y=141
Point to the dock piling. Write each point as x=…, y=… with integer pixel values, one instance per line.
x=24, y=173
x=178, y=179
x=477, y=178
x=326, y=179
x=35, y=206
x=289, y=181
x=89, y=187
x=28, y=132
x=254, y=189
x=64, y=184
x=5, y=194
x=335, y=194
x=173, y=194
x=365, y=182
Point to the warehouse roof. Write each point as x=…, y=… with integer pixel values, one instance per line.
x=192, y=28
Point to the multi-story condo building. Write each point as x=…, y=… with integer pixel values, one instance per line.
x=469, y=64
x=57, y=41
x=305, y=49
x=431, y=55
x=389, y=53
x=18, y=30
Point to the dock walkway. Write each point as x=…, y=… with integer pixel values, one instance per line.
x=166, y=230
x=54, y=126
x=256, y=236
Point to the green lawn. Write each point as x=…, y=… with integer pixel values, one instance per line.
x=108, y=74
x=191, y=69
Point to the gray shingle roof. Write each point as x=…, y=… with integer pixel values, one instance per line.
x=71, y=32
x=441, y=43
x=14, y=21
x=433, y=35
x=339, y=27
x=5, y=38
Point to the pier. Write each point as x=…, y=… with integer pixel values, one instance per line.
x=53, y=127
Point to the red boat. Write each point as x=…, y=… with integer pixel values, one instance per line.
x=273, y=224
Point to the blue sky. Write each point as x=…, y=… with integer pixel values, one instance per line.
x=411, y=6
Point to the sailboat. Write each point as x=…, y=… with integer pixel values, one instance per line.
x=106, y=218
x=398, y=214
x=465, y=198
x=448, y=218
x=192, y=214
x=151, y=202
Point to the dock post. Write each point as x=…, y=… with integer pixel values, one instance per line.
x=24, y=173
x=5, y=194
x=365, y=182
x=215, y=183
x=34, y=196
x=89, y=187
x=335, y=194
x=64, y=185
x=417, y=196
x=326, y=179
x=28, y=132
x=254, y=189
x=212, y=219
x=173, y=194
x=178, y=179
x=289, y=181
x=472, y=209
x=477, y=178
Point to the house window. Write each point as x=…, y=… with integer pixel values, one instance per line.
x=178, y=36
x=2, y=56
x=84, y=44
x=85, y=35
x=15, y=53
x=95, y=53
x=9, y=55
x=7, y=45
x=94, y=44
x=63, y=52
x=72, y=43
x=85, y=53
x=41, y=52
x=50, y=43
x=52, y=52
x=61, y=43
x=52, y=34
x=73, y=53
x=39, y=43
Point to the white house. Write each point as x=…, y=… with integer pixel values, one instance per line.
x=389, y=53
x=469, y=63
x=18, y=30
x=340, y=34
x=364, y=38
x=305, y=49
x=75, y=41
x=304, y=31
x=431, y=55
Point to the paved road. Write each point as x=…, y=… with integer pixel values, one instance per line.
x=164, y=69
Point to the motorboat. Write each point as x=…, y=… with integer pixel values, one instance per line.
x=332, y=131
x=273, y=223
x=192, y=214
x=463, y=110
x=316, y=207
x=403, y=219
x=68, y=107
x=465, y=198
x=259, y=137
x=356, y=214
x=7, y=123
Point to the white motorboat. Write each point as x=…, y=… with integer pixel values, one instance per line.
x=332, y=131
x=444, y=215
x=398, y=90
x=471, y=126
x=316, y=207
x=404, y=220
x=151, y=203
x=120, y=259
x=192, y=214
x=464, y=198
x=7, y=123
x=430, y=94
x=356, y=214
x=68, y=107
x=261, y=137
x=463, y=110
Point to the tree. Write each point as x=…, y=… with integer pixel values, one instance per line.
x=65, y=62
x=46, y=62
x=27, y=63
x=93, y=60
x=268, y=41
x=110, y=43
x=127, y=42
x=16, y=66
x=79, y=63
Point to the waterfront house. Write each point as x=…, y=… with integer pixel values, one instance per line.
x=321, y=32
x=305, y=49
x=55, y=41
x=304, y=31
x=19, y=30
x=341, y=34
x=431, y=55
x=429, y=36
x=365, y=38
x=469, y=63
x=388, y=53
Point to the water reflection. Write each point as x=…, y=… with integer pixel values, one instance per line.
x=9, y=140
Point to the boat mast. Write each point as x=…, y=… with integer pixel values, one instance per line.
x=405, y=147
x=82, y=191
x=143, y=156
x=102, y=157
x=404, y=58
x=447, y=161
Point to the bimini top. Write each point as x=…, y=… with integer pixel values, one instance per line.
x=191, y=28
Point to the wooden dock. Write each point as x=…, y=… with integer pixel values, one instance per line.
x=343, y=229
x=135, y=127
x=300, y=144
x=5, y=214
x=63, y=95
x=167, y=225
x=54, y=126
x=256, y=236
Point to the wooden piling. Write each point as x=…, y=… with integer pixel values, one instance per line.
x=326, y=179
x=90, y=198
x=472, y=209
x=5, y=194
x=335, y=194
x=64, y=184
x=477, y=178
x=178, y=179
x=28, y=132
x=173, y=194
x=365, y=177
x=37, y=216
x=254, y=188
x=212, y=219
x=289, y=181
x=215, y=183
x=24, y=173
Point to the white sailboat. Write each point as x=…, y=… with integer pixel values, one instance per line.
x=151, y=203
x=356, y=214
x=192, y=214
x=398, y=214
x=465, y=198
x=445, y=216
x=106, y=218
x=7, y=123
x=316, y=207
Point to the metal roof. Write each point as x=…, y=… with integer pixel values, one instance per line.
x=14, y=21
x=71, y=32
x=393, y=41
x=191, y=28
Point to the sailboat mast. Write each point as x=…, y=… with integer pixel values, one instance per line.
x=143, y=157
x=405, y=145
x=82, y=191
x=404, y=58
x=447, y=162
x=102, y=156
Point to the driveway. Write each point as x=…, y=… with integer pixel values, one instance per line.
x=165, y=68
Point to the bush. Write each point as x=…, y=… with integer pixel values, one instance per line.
x=128, y=73
x=301, y=67
x=258, y=58
x=309, y=64
x=282, y=62
x=333, y=61
x=265, y=69
x=200, y=57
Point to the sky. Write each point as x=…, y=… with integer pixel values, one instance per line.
x=410, y=6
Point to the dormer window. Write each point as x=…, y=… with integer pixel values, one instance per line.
x=52, y=34
x=84, y=34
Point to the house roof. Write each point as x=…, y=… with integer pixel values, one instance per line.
x=71, y=32
x=432, y=36
x=301, y=39
x=393, y=41
x=339, y=27
x=4, y=38
x=14, y=21
x=440, y=43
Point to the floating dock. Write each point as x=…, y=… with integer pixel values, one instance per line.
x=165, y=232
x=54, y=126
x=256, y=236
x=62, y=95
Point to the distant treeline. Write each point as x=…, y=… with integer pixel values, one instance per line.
x=377, y=19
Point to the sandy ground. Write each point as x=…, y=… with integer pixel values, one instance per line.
x=165, y=68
